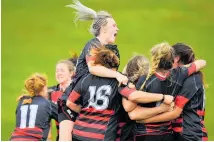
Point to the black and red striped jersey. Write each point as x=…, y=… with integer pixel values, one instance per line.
x=33, y=120
x=157, y=84
x=191, y=99
x=101, y=103
x=82, y=67
x=55, y=93
x=125, y=128
x=53, y=97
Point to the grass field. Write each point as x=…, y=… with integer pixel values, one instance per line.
x=36, y=34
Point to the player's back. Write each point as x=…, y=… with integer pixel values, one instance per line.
x=190, y=124
x=170, y=85
x=100, y=100
x=32, y=120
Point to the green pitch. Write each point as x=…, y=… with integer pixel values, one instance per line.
x=36, y=34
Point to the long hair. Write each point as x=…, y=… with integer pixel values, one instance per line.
x=187, y=56
x=162, y=59
x=136, y=67
x=84, y=13
x=34, y=86
x=105, y=57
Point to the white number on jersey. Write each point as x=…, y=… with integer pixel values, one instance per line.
x=101, y=94
x=32, y=119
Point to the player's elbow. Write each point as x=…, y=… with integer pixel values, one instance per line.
x=127, y=108
x=200, y=64
x=203, y=63
x=132, y=115
x=132, y=97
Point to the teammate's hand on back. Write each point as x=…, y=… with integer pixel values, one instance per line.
x=168, y=99
x=122, y=79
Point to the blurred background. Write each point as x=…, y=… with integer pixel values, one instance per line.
x=36, y=34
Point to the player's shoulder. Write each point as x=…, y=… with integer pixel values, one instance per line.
x=23, y=98
x=93, y=42
x=53, y=88
x=140, y=81
x=41, y=101
x=193, y=80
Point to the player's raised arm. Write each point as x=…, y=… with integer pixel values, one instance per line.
x=196, y=66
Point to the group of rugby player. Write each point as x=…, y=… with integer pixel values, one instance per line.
x=160, y=100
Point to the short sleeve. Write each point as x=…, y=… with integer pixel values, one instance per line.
x=76, y=92
x=181, y=73
x=186, y=93
x=125, y=91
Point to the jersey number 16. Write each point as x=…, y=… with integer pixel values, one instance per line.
x=100, y=95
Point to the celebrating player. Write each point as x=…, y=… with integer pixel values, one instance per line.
x=100, y=100
x=189, y=103
x=162, y=80
x=105, y=30
x=135, y=68
x=64, y=72
x=34, y=111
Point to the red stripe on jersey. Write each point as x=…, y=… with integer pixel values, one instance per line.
x=200, y=112
x=127, y=91
x=151, y=130
x=204, y=130
x=204, y=138
x=191, y=69
x=55, y=95
x=24, y=139
x=170, y=127
x=157, y=125
x=111, y=112
x=162, y=77
x=92, y=125
x=73, y=96
x=121, y=124
x=32, y=129
x=88, y=134
x=202, y=122
x=90, y=58
x=119, y=131
x=180, y=101
x=178, y=129
x=23, y=133
x=95, y=117
x=179, y=120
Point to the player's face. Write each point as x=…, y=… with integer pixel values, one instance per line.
x=62, y=73
x=111, y=30
x=176, y=61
